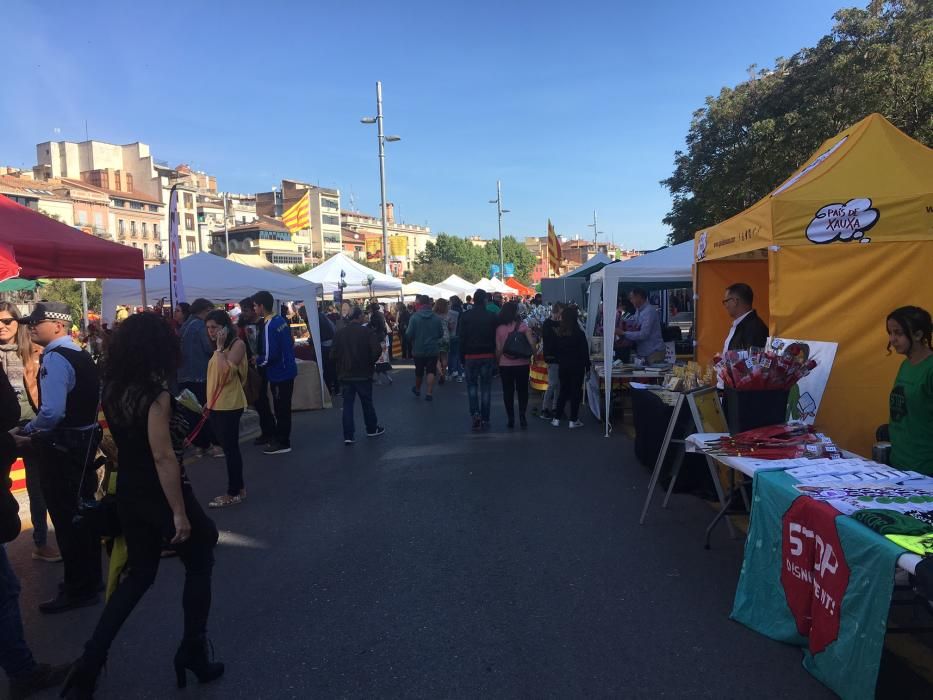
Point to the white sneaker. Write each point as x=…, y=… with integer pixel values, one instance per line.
x=556, y=422
x=575, y=424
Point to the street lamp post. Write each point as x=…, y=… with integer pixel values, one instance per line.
x=498, y=202
x=226, y=233
x=596, y=230
x=382, y=138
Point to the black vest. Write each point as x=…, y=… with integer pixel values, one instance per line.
x=84, y=399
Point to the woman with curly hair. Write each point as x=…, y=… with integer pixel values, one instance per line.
x=155, y=502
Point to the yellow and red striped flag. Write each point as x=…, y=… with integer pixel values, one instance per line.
x=298, y=216
x=554, y=254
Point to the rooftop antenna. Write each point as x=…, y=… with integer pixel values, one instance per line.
x=86, y=137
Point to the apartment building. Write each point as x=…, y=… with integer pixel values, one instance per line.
x=401, y=257
x=266, y=236
x=323, y=237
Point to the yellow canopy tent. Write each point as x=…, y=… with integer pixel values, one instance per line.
x=839, y=245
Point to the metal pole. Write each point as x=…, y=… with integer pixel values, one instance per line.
x=595, y=228
x=226, y=234
x=499, y=207
x=84, y=306
x=382, y=176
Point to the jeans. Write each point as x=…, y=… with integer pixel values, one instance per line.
x=515, y=380
x=15, y=657
x=206, y=437
x=553, y=387
x=571, y=390
x=479, y=386
x=282, y=405
x=364, y=389
x=454, y=363
x=146, y=527
x=38, y=513
x=226, y=425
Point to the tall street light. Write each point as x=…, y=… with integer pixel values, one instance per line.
x=377, y=120
x=595, y=228
x=498, y=202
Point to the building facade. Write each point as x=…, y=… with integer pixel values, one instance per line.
x=323, y=238
x=406, y=241
x=266, y=236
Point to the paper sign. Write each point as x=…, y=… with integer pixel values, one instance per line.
x=804, y=400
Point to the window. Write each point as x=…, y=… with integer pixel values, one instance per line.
x=121, y=227
x=155, y=231
x=98, y=219
x=189, y=201
x=153, y=208
x=133, y=228
x=145, y=250
x=119, y=203
x=82, y=218
x=331, y=220
x=329, y=203
x=331, y=238
x=286, y=259
x=137, y=206
x=145, y=230
x=189, y=245
x=274, y=236
x=189, y=222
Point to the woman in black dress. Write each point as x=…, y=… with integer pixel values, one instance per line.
x=156, y=505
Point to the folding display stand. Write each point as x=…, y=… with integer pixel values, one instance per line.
x=705, y=416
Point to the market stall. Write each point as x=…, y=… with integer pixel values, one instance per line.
x=829, y=253
x=222, y=281
x=412, y=289
x=457, y=286
x=522, y=289
x=356, y=280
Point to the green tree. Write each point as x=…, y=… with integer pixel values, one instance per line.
x=433, y=272
x=300, y=268
x=69, y=292
x=469, y=261
x=749, y=138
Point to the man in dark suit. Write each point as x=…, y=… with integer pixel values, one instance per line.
x=748, y=330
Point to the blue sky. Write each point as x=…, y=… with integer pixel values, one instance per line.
x=574, y=106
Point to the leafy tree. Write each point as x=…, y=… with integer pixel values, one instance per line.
x=69, y=292
x=469, y=261
x=744, y=142
x=300, y=268
x=433, y=272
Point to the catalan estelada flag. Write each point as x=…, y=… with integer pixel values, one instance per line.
x=554, y=255
x=298, y=218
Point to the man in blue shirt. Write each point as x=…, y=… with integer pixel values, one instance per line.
x=646, y=338
x=276, y=362
x=64, y=435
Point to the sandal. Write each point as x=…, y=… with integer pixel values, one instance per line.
x=227, y=500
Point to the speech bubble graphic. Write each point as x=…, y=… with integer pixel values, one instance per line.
x=843, y=222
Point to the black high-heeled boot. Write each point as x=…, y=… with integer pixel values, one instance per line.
x=82, y=679
x=193, y=656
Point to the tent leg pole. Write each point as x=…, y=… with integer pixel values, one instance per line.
x=142, y=291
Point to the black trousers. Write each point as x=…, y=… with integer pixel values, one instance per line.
x=226, y=426
x=266, y=419
x=206, y=437
x=330, y=370
x=148, y=527
x=571, y=390
x=60, y=478
x=282, y=405
x=514, y=380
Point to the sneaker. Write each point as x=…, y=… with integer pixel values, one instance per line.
x=42, y=677
x=441, y=379
x=460, y=379
x=64, y=602
x=379, y=431
x=486, y=425
x=546, y=414
x=556, y=422
x=348, y=441
x=262, y=441
x=47, y=553
x=576, y=424
x=276, y=448
x=428, y=397
x=216, y=451
x=477, y=424
x=414, y=390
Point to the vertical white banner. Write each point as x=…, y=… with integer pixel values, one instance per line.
x=176, y=285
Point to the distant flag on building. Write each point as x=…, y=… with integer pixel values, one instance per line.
x=176, y=286
x=554, y=254
x=298, y=217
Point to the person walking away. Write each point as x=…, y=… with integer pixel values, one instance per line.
x=477, y=333
x=442, y=311
x=573, y=357
x=454, y=363
x=19, y=359
x=379, y=327
x=26, y=675
x=327, y=344
x=425, y=330
x=646, y=338
x=196, y=351
x=548, y=343
x=64, y=436
x=154, y=501
x=356, y=349
x=226, y=376
x=276, y=360
x=514, y=358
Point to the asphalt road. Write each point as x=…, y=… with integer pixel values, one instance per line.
x=433, y=562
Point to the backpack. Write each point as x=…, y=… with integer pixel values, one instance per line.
x=516, y=346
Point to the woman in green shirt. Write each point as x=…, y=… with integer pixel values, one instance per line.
x=911, y=402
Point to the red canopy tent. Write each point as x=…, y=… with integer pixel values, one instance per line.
x=519, y=287
x=44, y=247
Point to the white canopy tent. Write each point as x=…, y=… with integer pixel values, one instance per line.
x=414, y=288
x=222, y=281
x=458, y=286
x=356, y=276
x=667, y=268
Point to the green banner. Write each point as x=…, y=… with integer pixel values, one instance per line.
x=819, y=580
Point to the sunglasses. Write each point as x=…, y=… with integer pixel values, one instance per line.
x=8, y=321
